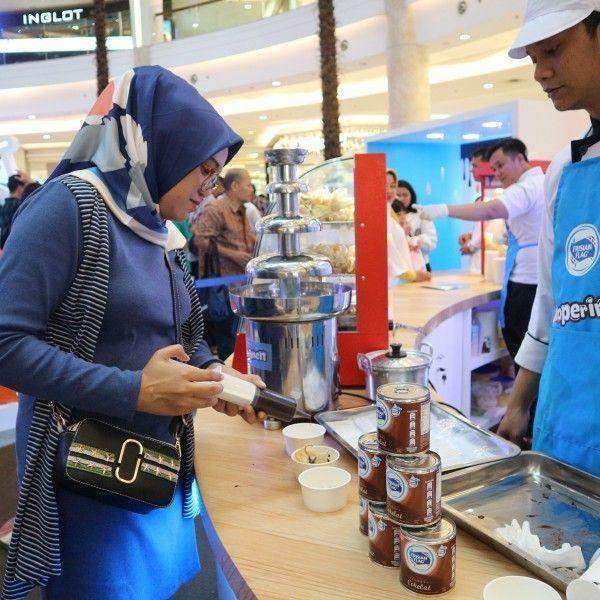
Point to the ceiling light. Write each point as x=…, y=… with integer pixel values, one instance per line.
x=248, y=6
x=438, y=116
x=46, y=136
x=31, y=117
x=251, y=132
x=435, y=136
x=492, y=124
x=263, y=117
x=252, y=154
x=276, y=83
x=471, y=136
x=195, y=25
x=488, y=86
x=463, y=37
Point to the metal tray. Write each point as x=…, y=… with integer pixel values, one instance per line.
x=459, y=442
x=561, y=503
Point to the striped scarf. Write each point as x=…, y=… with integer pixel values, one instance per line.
x=34, y=552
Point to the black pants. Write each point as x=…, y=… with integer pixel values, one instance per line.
x=519, y=301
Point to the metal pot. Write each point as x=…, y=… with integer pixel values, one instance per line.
x=395, y=365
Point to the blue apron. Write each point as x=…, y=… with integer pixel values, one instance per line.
x=567, y=419
x=509, y=265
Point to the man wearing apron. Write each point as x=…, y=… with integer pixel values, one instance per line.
x=562, y=37
x=521, y=206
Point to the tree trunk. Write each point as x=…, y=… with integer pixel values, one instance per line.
x=101, y=54
x=329, y=80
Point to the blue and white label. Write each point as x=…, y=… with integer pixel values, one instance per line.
x=396, y=485
x=260, y=356
x=364, y=465
x=372, y=526
x=363, y=506
x=582, y=249
x=396, y=410
x=384, y=416
x=420, y=558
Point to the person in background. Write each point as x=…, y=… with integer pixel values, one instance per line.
x=470, y=242
x=416, y=256
x=400, y=263
x=422, y=236
x=226, y=221
x=558, y=358
x=30, y=188
x=16, y=185
x=521, y=207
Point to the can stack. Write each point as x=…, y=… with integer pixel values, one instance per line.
x=400, y=492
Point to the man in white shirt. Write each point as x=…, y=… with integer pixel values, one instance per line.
x=562, y=37
x=521, y=207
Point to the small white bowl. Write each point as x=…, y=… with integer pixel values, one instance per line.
x=324, y=489
x=515, y=587
x=299, y=435
x=300, y=466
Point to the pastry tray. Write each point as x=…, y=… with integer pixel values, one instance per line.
x=459, y=442
x=561, y=503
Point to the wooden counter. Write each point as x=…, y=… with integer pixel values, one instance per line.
x=269, y=545
x=273, y=547
x=418, y=310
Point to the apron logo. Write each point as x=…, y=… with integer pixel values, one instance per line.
x=582, y=250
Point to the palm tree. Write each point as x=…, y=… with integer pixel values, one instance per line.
x=329, y=79
x=101, y=54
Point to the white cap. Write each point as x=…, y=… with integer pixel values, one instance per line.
x=545, y=18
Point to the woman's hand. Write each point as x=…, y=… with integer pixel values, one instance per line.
x=228, y=408
x=170, y=387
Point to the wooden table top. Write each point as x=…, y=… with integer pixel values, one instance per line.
x=275, y=548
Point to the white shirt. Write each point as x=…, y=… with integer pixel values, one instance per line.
x=399, y=261
x=533, y=351
x=424, y=231
x=524, y=202
x=252, y=214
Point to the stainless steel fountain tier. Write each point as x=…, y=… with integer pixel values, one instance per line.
x=291, y=324
x=291, y=342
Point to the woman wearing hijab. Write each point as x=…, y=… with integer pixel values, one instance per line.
x=89, y=311
x=422, y=236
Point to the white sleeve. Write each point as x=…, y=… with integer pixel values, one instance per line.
x=428, y=236
x=516, y=201
x=533, y=351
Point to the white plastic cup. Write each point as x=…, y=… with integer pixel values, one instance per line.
x=515, y=587
x=587, y=587
x=298, y=435
x=300, y=467
x=324, y=489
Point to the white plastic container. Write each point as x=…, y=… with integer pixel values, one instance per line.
x=324, y=489
x=515, y=587
x=299, y=435
x=333, y=457
x=587, y=587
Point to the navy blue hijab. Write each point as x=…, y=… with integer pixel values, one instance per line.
x=148, y=129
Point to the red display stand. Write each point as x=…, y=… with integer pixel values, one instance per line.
x=370, y=228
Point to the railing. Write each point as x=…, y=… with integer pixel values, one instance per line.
x=217, y=15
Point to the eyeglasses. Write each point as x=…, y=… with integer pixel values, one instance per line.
x=212, y=178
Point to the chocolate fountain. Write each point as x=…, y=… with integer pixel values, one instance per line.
x=291, y=314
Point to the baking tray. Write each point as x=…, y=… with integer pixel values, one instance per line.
x=459, y=442
x=561, y=503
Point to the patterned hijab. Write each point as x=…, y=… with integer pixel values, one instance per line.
x=147, y=130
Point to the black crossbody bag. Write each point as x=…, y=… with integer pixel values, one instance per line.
x=116, y=466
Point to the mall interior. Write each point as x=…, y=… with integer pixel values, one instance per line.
x=358, y=117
